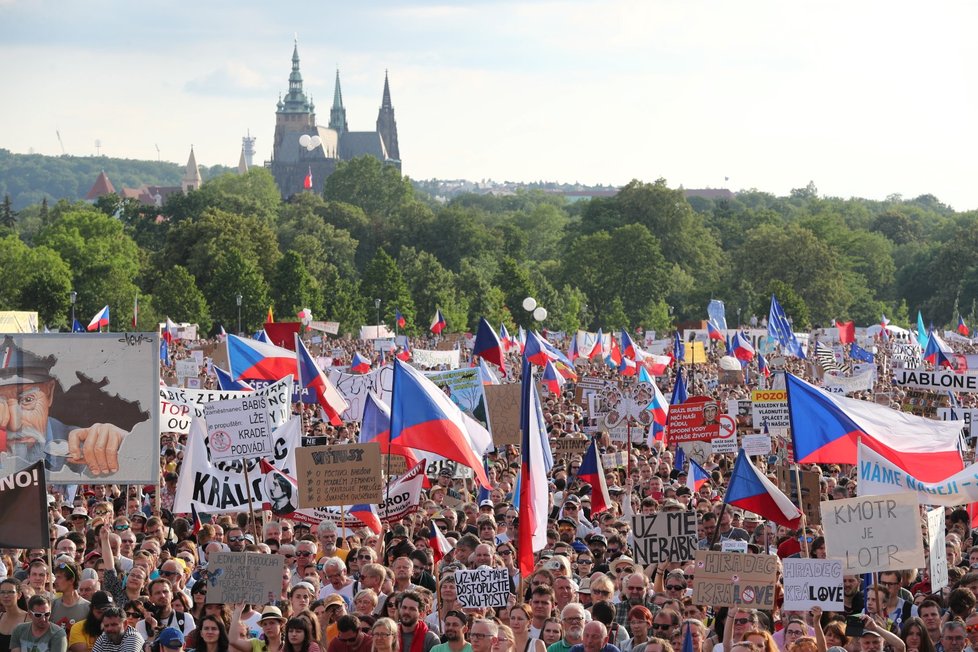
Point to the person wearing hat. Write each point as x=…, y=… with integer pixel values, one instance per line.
x=445, y=477
x=83, y=633
x=31, y=434
x=272, y=624
x=171, y=639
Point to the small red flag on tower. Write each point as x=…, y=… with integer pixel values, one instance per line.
x=307, y=184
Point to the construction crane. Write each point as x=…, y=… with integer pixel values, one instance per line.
x=61, y=142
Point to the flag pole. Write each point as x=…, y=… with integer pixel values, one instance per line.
x=251, y=507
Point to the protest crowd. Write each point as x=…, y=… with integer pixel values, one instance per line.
x=651, y=541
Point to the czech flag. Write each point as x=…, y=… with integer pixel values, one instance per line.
x=552, y=379
x=399, y=319
x=658, y=406
x=439, y=544
x=572, y=351
x=627, y=367
x=366, y=514
x=135, y=312
x=937, y=352
x=697, y=475
x=307, y=182
x=963, y=328
x=253, y=360
x=423, y=417
x=229, y=384
x=749, y=489
x=487, y=375
x=221, y=334
x=99, y=320
x=312, y=377
x=404, y=354
x=847, y=331
x=614, y=356
x=657, y=365
x=262, y=336
x=539, y=351
x=487, y=345
x=627, y=345
x=438, y=322
x=884, y=322
x=762, y=366
x=375, y=425
x=743, y=350
x=535, y=466
x=598, y=350
x=359, y=364
x=826, y=427
x=504, y=337
x=195, y=523
x=592, y=473
x=713, y=331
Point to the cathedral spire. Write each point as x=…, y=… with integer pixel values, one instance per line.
x=385, y=103
x=337, y=114
x=295, y=101
x=191, y=176
x=386, y=125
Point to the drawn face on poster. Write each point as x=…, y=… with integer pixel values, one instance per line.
x=85, y=405
x=281, y=494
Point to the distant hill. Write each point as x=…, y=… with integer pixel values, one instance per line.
x=28, y=178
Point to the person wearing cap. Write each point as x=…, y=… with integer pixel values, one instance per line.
x=456, y=627
x=272, y=625
x=445, y=477
x=83, y=633
x=116, y=635
x=170, y=639
x=27, y=393
x=875, y=637
x=39, y=633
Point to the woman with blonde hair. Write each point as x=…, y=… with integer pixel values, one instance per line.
x=384, y=633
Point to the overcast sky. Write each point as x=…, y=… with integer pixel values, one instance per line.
x=863, y=98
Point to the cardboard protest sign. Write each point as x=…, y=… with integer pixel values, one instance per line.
x=238, y=428
x=937, y=549
x=339, y=475
x=874, y=533
x=810, y=491
x=695, y=420
x=812, y=583
x=666, y=536
x=482, y=587
x=734, y=579
x=23, y=509
x=565, y=448
x=770, y=406
x=503, y=403
x=251, y=577
x=97, y=389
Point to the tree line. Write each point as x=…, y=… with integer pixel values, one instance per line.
x=647, y=257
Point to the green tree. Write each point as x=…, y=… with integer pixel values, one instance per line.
x=236, y=274
x=294, y=288
x=432, y=286
x=345, y=305
x=615, y=318
x=383, y=280
x=514, y=280
x=322, y=246
x=377, y=188
x=8, y=217
x=177, y=296
x=47, y=287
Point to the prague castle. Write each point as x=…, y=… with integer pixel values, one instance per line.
x=295, y=117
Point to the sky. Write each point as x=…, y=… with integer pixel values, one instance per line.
x=865, y=99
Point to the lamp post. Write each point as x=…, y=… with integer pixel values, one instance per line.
x=74, y=298
x=738, y=317
x=238, y=299
x=377, y=306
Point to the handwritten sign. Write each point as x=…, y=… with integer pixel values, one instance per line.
x=937, y=549
x=565, y=448
x=251, y=577
x=663, y=537
x=482, y=587
x=874, y=533
x=734, y=579
x=812, y=583
x=695, y=420
x=503, y=403
x=238, y=428
x=338, y=475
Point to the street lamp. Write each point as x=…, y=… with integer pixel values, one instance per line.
x=74, y=297
x=377, y=306
x=738, y=316
x=238, y=299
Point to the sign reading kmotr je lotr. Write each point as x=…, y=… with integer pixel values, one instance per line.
x=874, y=533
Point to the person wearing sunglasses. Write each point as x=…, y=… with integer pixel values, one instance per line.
x=39, y=633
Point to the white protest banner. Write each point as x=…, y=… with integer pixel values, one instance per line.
x=198, y=356
x=969, y=415
x=251, y=577
x=874, y=533
x=770, y=406
x=238, y=428
x=937, y=546
x=857, y=382
x=664, y=537
x=614, y=460
x=879, y=476
x=936, y=380
x=178, y=406
x=757, y=444
x=432, y=359
x=403, y=497
x=330, y=327
x=220, y=487
x=482, y=587
x=812, y=583
x=354, y=388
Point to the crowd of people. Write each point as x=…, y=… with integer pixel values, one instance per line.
x=125, y=573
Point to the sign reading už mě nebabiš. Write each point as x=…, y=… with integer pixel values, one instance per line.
x=874, y=533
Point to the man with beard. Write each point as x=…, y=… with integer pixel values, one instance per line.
x=116, y=635
x=455, y=629
x=348, y=637
x=83, y=633
x=414, y=634
x=572, y=619
x=27, y=432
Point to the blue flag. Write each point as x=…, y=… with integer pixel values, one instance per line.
x=857, y=352
x=921, y=331
x=779, y=329
x=680, y=462
x=164, y=352
x=77, y=327
x=678, y=348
